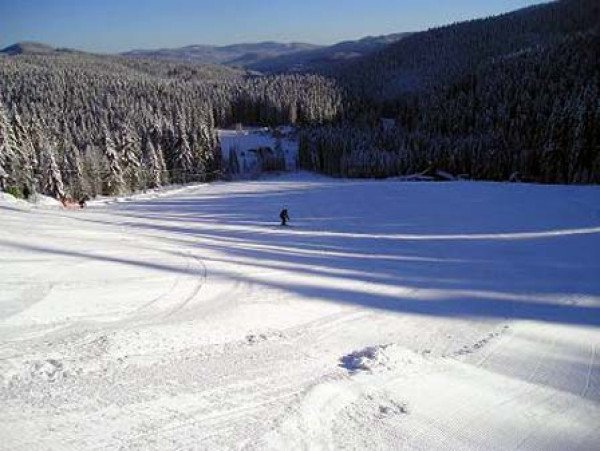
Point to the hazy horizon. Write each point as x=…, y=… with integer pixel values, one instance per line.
x=117, y=26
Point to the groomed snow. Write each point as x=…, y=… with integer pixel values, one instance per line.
x=390, y=315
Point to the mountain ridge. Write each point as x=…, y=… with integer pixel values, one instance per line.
x=316, y=59
x=271, y=56
x=225, y=55
x=264, y=56
x=29, y=47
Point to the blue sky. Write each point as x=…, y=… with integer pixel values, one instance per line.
x=117, y=25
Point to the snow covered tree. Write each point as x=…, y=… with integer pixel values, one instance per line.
x=8, y=162
x=129, y=148
x=114, y=181
x=73, y=170
x=183, y=160
x=52, y=182
x=154, y=164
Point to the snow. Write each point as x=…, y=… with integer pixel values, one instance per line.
x=38, y=201
x=389, y=315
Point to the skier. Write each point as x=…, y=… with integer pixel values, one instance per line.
x=284, y=216
x=26, y=191
x=83, y=201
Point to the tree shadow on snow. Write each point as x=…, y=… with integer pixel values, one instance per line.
x=404, y=257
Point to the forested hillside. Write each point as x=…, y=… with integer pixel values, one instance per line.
x=74, y=124
x=443, y=54
x=513, y=96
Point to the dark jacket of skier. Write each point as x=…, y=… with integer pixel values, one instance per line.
x=284, y=216
x=83, y=201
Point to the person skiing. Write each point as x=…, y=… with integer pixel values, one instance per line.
x=83, y=201
x=284, y=216
x=26, y=191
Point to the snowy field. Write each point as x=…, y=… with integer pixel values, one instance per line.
x=389, y=316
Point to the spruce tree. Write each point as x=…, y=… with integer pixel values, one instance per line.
x=114, y=180
x=8, y=162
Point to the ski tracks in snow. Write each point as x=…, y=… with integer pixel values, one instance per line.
x=200, y=272
x=147, y=347
x=349, y=410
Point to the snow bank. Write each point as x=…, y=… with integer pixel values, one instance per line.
x=155, y=193
x=47, y=201
x=10, y=199
x=38, y=200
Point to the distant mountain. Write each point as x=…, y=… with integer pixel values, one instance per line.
x=239, y=55
x=324, y=57
x=27, y=48
x=269, y=57
x=273, y=56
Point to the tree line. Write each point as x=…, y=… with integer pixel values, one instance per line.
x=74, y=124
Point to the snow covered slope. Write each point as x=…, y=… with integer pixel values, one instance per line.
x=389, y=315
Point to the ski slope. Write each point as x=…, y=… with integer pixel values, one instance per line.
x=391, y=315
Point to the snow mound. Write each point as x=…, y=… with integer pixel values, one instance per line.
x=150, y=194
x=49, y=370
x=391, y=408
x=36, y=201
x=375, y=413
x=366, y=359
x=378, y=358
x=9, y=199
x=47, y=201
x=377, y=404
x=35, y=371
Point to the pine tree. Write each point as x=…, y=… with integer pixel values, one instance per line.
x=154, y=166
x=8, y=163
x=25, y=155
x=114, y=181
x=183, y=160
x=74, y=176
x=52, y=182
x=129, y=149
